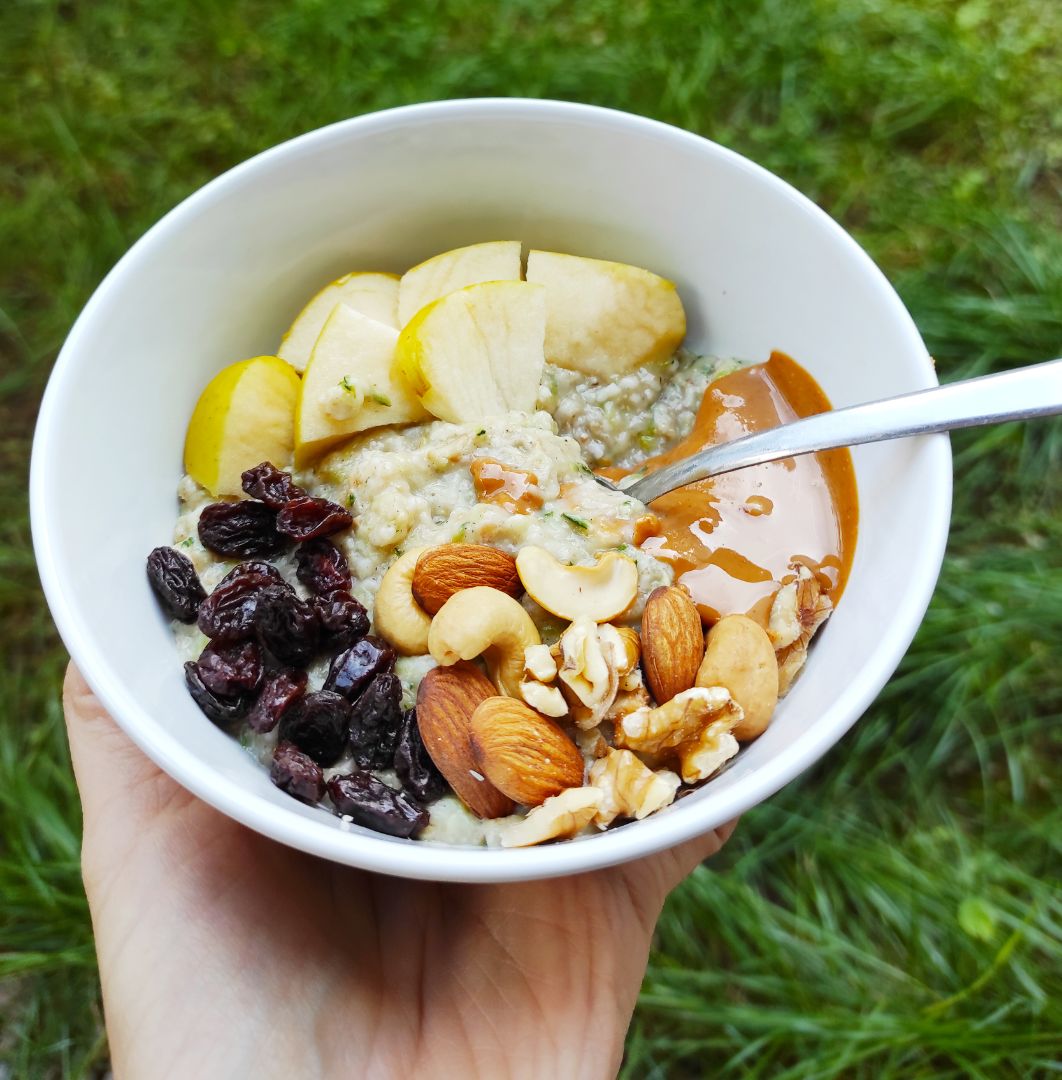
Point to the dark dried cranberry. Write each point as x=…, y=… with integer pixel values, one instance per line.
x=318, y=724
x=300, y=776
x=223, y=711
x=374, y=722
x=278, y=693
x=322, y=568
x=227, y=614
x=371, y=803
x=285, y=625
x=415, y=768
x=309, y=518
x=352, y=669
x=341, y=620
x=257, y=569
x=230, y=670
x=240, y=529
x=176, y=584
x=268, y=484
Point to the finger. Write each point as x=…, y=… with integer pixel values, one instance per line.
x=669, y=868
x=107, y=764
x=692, y=853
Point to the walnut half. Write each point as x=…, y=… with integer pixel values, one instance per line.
x=559, y=816
x=629, y=787
x=693, y=727
x=799, y=608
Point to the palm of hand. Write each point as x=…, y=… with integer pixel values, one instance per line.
x=223, y=953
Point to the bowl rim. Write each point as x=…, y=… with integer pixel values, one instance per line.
x=439, y=862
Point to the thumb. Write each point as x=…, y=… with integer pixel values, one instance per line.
x=688, y=856
x=654, y=877
x=118, y=784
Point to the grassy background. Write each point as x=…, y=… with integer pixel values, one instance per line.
x=896, y=912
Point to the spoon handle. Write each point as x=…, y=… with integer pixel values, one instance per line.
x=1021, y=394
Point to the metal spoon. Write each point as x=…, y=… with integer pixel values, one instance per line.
x=1022, y=394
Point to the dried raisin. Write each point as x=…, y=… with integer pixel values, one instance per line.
x=285, y=626
x=175, y=583
x=268, y=484
x=318, y=724
x=415, y=768
x=222, y=711
x=300, y=776
x=240, y=529
x=352, y=669
x=278, y=693
x=257, y=569
x=322, y=568
x=227, y=614
x=309, y=518
x=341, y=620
x=231, y=670
x=371, y=803
x=374, y=722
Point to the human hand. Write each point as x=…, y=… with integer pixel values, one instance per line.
x=225, y=954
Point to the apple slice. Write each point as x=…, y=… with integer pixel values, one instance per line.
x=476, y=352
x=244, y=416
x=375, y=295
x=498, y=260
x=606, y=318
x=348, y=386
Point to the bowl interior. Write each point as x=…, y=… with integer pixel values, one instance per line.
x=758, y=267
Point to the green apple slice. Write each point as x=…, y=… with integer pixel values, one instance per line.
x=476, y=352
x=244, y=416
x=348, y=386
x=374, y=295
x=498, y=260
x=606, y=318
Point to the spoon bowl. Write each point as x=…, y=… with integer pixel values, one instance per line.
x=1022, y=394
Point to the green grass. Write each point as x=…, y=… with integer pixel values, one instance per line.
x=896, y=912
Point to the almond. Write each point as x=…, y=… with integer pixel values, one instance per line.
x=446, y=700
x=524, y=754
x=445, y=570
x=672, y=642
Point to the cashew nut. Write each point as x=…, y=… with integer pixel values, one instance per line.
x=398, y=618
x=600, y=592
x=540, y=669
x=547, y=700
x=740, y=657
x=539, y=663
x=484, y=622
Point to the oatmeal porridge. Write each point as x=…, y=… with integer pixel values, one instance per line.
x=395, y=578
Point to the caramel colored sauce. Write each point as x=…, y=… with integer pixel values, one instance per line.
x=511, y=488
x=732, y=538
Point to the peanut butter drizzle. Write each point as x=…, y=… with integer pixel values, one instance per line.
x=731, y=538
x=506, y=486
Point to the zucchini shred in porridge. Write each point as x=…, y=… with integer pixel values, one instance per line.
x=395, y=578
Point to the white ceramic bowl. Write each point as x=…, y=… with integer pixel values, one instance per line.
x=218, y=279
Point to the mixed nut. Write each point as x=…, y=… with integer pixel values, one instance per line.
x=603, y=724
